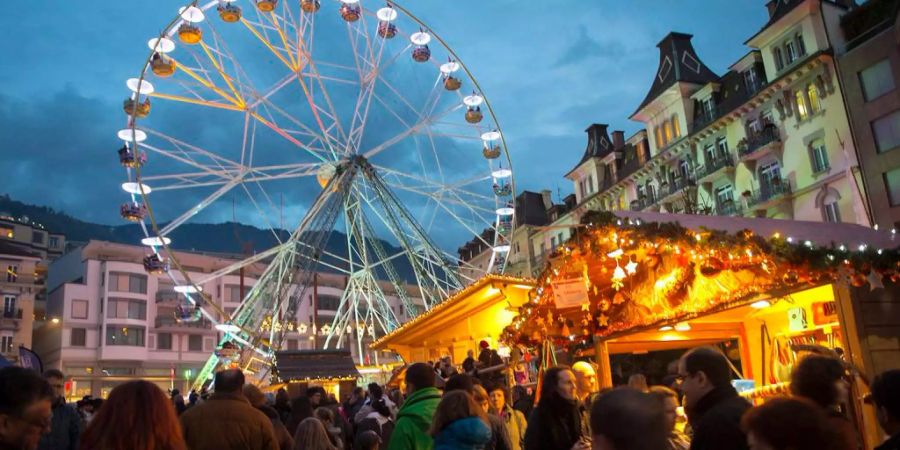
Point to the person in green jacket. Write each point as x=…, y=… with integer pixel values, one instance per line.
x=414, y=418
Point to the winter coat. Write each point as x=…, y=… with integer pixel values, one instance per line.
x=716, y=420
x=65, y=429
x=515, y=427
x=891, y=444
x=555, y=424
x=414, y=419
x=499, y=435
x=284, y=437
x=227, y=422
x=845, y=432
x=470, y=433
x=383, y=430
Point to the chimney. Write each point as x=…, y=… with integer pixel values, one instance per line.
x=618, y=138
x=546, y=197
x=771, y=7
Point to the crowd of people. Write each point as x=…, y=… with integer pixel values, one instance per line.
x=442, y=409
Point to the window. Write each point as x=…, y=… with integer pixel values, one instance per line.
x=876, y=80
x=770, y=177
x=123, y=308
x=724, y=194
x=684, y=169
x=801, y=47
x=233, y=293
x=330, y=302
x=6, y=344
x=722, y=145
x=669, y=135
x=54, y=242
x=750, y=79
x=590, y=184
x=195, y=343
x=164, y=341
x=543, y=248
x=818, y=155
x=78, y=338
x=37, y=237
x=710, y=153
x=127, y=282
x=831, y=212
x=676, y=126
x=886, y=131
x=553, y=242
x=754, y=127
x=779, y=62
x=660, y=143
x=790, y=52
x=813, y=92
x=9, y=305
x=12, y=273
x=640, y=192
x=7, y=232
x=79, y=309
x=802, y=112
x=892, y=186
x=125, y=335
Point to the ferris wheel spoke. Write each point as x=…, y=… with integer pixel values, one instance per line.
x=221, y=72
x=268, y=44
x=175, y=223
x=415, y=128
x=208, y=83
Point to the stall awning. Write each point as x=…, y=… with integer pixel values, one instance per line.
x=311, y=365
x=483, y=308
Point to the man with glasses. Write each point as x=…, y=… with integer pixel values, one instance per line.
x=25, y=408
x=66, y=427
x=713, y=406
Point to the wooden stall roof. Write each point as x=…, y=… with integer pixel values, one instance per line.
x=309, y=365
x=476, y=297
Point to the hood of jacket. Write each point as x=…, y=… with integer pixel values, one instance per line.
x=420, y=406
x=464, y=433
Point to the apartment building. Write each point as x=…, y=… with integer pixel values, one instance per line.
x=117, y=322
x=19, y=286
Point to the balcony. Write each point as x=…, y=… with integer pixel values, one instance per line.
x=756, y=146
x=170, y=322
x=769, y=194
x=668, y=191
x=712, y=169
x=10, y=319
x=167, y=296
x=643, y=203
x=729, y=209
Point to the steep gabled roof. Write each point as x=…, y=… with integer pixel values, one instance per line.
x=308, y=365
x=598, y=145
x=678, y=62
x=530, y=209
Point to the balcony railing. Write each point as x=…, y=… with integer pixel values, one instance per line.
x=728, y=209
x=769, y=191
x=12, y=313
x=167, y=296
x=169, y=321
x=749, y=145
x=676, y=187
x=715, y=165
x=643, y=203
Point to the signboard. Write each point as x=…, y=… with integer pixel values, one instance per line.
x=569, y=293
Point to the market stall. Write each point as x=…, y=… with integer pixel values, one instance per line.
x=646, y=282
x=477, y=313
x=298, y=370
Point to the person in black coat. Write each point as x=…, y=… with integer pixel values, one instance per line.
x=886, y=397
x=713, y=406
x=557, y=421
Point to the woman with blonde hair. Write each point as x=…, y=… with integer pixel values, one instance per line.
x=459, y=423
x=311, y=435
x=136, y=416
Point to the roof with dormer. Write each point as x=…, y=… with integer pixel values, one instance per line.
x=678, y=62
x=598, y=146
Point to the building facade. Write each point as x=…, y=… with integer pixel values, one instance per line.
x=869, y=63
x=35, y=240
x=20, y=285
x=118, y=323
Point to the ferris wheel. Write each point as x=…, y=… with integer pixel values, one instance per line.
x=364, y=120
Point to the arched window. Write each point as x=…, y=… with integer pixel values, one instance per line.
x=668, y=127
x=828, y=203
x=802, y=111
x=660, y=143
x=676, y=127
x=813, y=93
